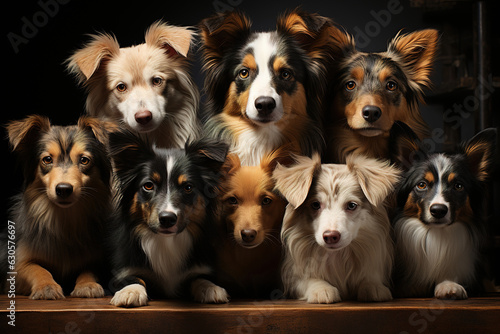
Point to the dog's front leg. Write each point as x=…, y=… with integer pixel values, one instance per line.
x=87, y=286
x=317, y=291
x=37, y=281
x=133, y=293
x=373, y=291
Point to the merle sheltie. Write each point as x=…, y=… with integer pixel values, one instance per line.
x=373, y=90
x=265, y=89
x=61, y=213
x=163, y=221
x=336, y=231
x=146, y=87
x=439, y=226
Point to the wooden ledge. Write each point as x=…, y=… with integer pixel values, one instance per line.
x=76, y=315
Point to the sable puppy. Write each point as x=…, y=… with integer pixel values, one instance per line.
x=145, y=87
x=61, y=212
x=440, y=227
x=265, y=89
x=249, y=246
x=336, y=230
x=373, y=90
x=165, y=220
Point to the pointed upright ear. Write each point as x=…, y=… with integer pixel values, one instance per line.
x=175, y=40
x=311, y=31
x=221, y=31
x=376, y=178
x=294, y=182
x=481, y=153
x=405, y=147
x=85, y=62
x=416, y=51
x=342, y=43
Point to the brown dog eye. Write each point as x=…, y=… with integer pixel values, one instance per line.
x=316, y=205
x=47, y=160
x=286, y=75
x=157, y=81
x=391, y=85
x=121, y=87
x=422, y=186
x=84, y=161
x=266, y=201
x=350, y=85
x=244, y=73
x=232, y=200
x=148, y=186
x=188, y=188
x=459, y=186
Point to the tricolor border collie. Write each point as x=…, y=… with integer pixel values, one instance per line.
x=164, y=217
x=265, y=89
x=439, y=227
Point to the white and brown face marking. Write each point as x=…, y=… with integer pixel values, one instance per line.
x=266, y=87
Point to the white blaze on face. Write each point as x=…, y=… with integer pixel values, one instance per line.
x=441, y=163
x=262, y=86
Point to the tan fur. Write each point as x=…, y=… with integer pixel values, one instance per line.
x=250, y=270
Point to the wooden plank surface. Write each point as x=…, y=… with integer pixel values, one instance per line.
x=74, y=315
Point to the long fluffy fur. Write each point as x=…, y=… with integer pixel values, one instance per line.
x=58, y=246
x=362, y=268
x=101, y=64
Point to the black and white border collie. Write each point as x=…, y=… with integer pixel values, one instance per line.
x=439, y=226
x=265, y=89
x=162, y=224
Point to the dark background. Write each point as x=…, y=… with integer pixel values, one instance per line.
x=35, y=80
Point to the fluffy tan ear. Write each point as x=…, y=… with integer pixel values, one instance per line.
x=175, y=40
x=86, y=61
x=24, y=133
x=377, y=178
x=100, y=129
x=294, y=182
x=481, y=153
x=417, y=50
x=232, y=164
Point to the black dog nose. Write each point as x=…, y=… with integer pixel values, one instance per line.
x=167, y=218
x=265, y=105
x=331, y=237
x=248, y=235
x=438, y=210
x=64, y=190
x=371, y=113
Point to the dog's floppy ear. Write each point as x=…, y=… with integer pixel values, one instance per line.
x=99, y=128
x=23, y=136
x=128, y=151
x=376, y=178
x=294, y=182
x=481, y=153
x=279, y=156
x=175, y=40
x=232, y=164
x=208, y=153
x=222, y=30
x=85, y=62
x=417, y=51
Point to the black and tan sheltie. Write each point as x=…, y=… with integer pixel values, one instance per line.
x=61, y=212
x=163, y=220
x=265, y=89
x=439, y=226
x=373, y=90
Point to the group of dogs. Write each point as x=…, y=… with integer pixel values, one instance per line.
x=303, y=172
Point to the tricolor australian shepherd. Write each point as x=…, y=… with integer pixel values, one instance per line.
x=61, y=214
x=336, y=232
x=373, y=90
x=164, y=219
x=439, y=228
x=145, y=87
x=265, y=89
